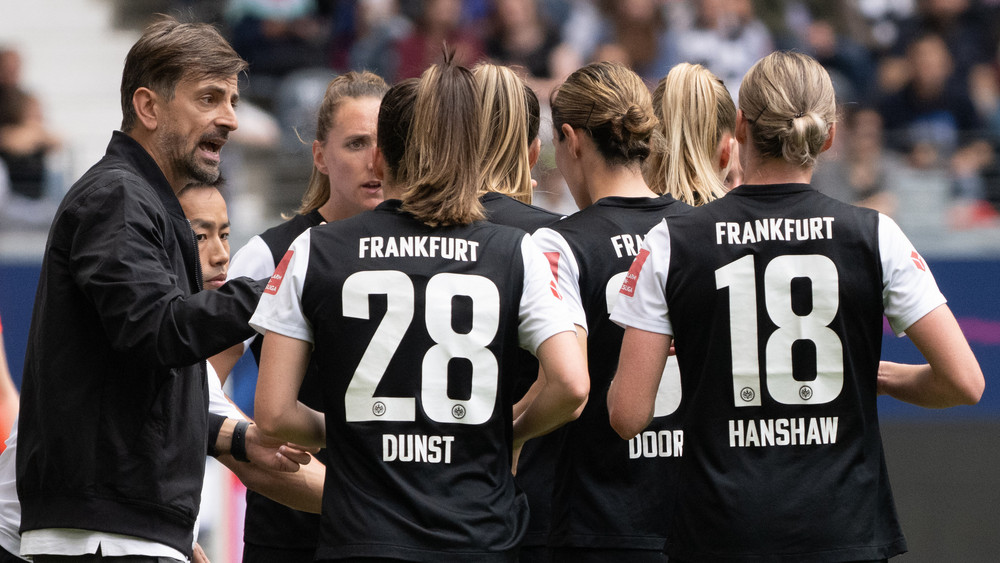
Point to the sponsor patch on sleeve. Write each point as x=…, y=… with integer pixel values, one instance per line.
x=553, y=258
x=628, y=286
x=918, y=261
x=279, y=274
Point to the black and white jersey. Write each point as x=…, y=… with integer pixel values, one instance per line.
x=775, y=295
x=267, y=523
x=413, y=329
x=610, y=493
x=537, y=460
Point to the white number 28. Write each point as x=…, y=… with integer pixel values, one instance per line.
x=361, y=402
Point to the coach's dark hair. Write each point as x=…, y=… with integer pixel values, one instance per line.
x=395, y=115
x=349, y=86
x=442, y=157
x=613, y=105
x=169, y=52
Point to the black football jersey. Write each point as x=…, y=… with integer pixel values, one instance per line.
x=610, y=493
x=536, y=463
x=414, y=329
x=775, y=296
x=268, y=523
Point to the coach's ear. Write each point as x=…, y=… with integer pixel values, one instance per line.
x=146, y=105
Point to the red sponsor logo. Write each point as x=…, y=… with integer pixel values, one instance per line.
x=552, y=286
x=918, y=261
x=628, y=287
x=279, y=274
x=553, y=258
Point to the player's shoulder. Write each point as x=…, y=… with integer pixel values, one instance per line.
x=505, y=210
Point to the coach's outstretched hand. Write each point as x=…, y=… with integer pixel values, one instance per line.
x=274, y=454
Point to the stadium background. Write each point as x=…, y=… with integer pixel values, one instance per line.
x=943, y=464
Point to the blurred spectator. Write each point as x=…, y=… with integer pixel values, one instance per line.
x=933, y=121
x=984, y=84
x=637, y=30
x=379, y=27
x=438, y=22
x=725, y=37
x=883, y=20
x=277, y=37
x=835, y=33
x=519, y=36
x=857, y=170
x=26, y=147
x=957, y=22
x=25, y=143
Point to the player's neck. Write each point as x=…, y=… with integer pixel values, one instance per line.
x=616, y=181
x=775, y=171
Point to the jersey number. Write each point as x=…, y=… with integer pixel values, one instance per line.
x=360, y=401
x=668, y=394
x=813, y=327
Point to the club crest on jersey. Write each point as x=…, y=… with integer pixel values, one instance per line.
x=918, y=261
x=279, y=274
x=628, y=287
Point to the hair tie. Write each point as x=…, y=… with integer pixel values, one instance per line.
x=798, y=115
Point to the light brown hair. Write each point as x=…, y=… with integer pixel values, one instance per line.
x=613, y=105
x=442, y=158
x=789, y=102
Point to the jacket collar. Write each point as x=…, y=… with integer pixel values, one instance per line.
x=124, y=147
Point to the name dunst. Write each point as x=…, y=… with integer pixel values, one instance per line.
x=416, y=448
x=774, y=229
x=460, y=250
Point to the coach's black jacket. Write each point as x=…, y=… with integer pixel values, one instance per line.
x=113, y=423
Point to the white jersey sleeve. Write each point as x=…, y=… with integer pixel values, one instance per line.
x=254, y=261
x=642, y=300
x=218, y=403
x=542, y=312
x=280, y=306
x=908, y=288
x=566, y=271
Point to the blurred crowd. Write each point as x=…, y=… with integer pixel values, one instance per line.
x=919, y=80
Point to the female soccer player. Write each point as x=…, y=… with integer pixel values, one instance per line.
x=342, y=184
x=609, y=500
x=776, y=295
x=510, y=145
x=697, y=159
x=412, y=313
